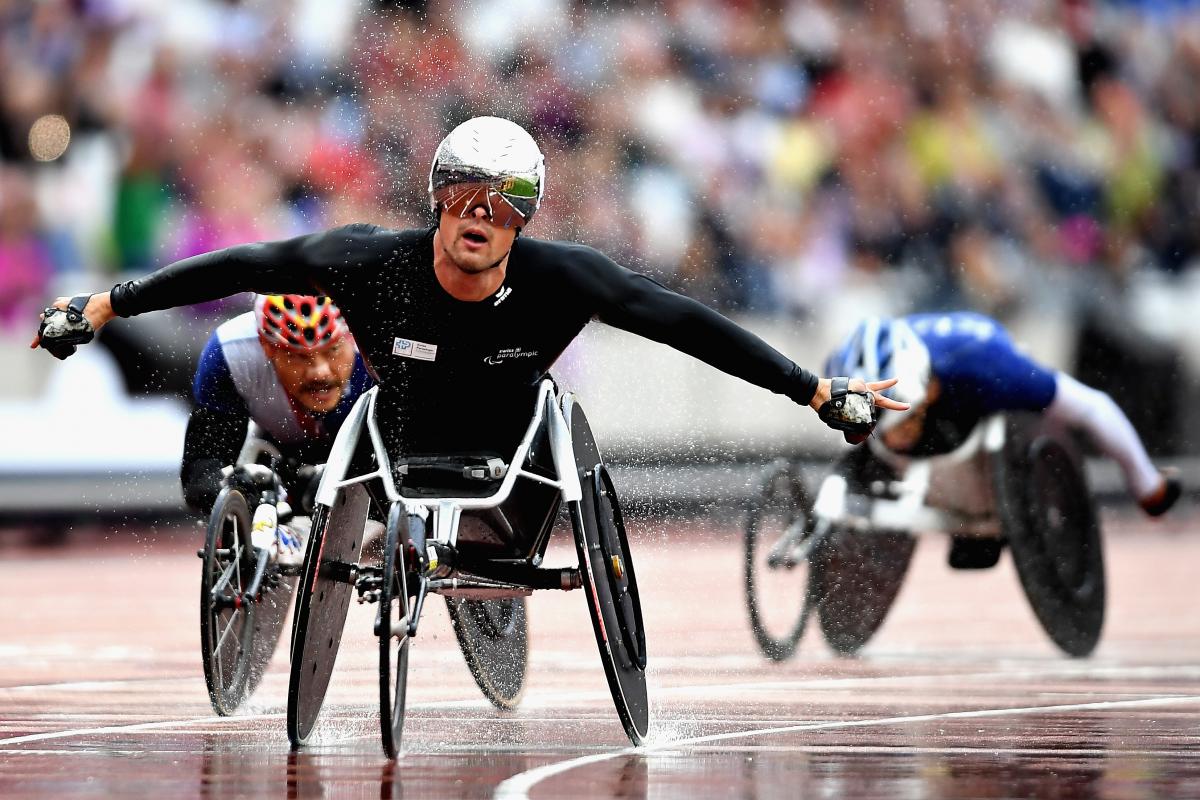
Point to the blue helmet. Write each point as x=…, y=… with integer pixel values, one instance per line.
x=882, y=348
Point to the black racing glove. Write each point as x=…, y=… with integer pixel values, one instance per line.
x=61, y=330
x=252, y=479
x=852, y=413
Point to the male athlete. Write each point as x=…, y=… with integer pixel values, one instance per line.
x=290, y=367
x=954, y=369
x=461, y=320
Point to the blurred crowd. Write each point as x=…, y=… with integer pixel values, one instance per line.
x=762, y=156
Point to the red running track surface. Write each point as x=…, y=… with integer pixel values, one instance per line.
x=960, y=695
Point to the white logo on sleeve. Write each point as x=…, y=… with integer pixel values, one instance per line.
x=509, y=354
x=410, y=348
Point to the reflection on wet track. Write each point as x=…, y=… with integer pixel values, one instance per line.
x=959, y=696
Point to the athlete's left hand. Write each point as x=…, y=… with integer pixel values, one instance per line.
x=855, y=431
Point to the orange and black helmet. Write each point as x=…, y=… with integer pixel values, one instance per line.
x=298, y=322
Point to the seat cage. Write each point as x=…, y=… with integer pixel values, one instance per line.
x=950, y=493
x=445, y=513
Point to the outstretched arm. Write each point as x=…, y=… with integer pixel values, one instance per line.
x=302, y=265
x=638, y=304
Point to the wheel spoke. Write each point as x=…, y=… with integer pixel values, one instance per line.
x=228, y=628
x=215, y=657
x=236, y=550
x=222, y=583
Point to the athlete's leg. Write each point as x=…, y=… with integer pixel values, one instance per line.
x=1095, y=412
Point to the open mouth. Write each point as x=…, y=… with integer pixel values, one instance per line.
x=320, y=391
x=475, y=237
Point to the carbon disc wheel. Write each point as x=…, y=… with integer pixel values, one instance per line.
x=855, y=580
x=322, y=602
x=609, y=582
x=493, y=638
x=1054, y=535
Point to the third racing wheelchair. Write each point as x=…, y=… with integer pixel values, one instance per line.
x=1016, y=482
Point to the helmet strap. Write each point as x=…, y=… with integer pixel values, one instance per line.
x=508, y=252
x=501, y=261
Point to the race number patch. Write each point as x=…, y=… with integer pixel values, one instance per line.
x=409, y=348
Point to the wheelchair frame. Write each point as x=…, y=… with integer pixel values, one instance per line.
x=906, y=504
x=487, y=578
x=967, y=494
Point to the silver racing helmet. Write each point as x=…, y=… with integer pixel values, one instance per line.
x=490, y=159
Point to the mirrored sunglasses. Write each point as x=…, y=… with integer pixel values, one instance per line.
x=460, y=199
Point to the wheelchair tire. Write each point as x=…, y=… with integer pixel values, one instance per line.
x=322, y=602
x=493, y=637
x=227, y=626
x=777, y=594
x=1051, y=526
x=393, y=609
x=609, y=581
x=855, y=578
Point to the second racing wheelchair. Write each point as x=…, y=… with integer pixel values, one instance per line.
x=245, y=594
x=473, y=528
x=1016, y=482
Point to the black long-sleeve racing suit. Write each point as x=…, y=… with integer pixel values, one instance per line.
x=455, y=375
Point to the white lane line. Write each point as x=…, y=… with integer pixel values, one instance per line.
x=142, y=726
x=851, y=750
x=104, y=753
x=91, y=686
x=517, y=787
x=435, y=705
x=1017, y=671
x=553, y=698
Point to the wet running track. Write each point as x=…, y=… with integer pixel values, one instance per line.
x=960, y=695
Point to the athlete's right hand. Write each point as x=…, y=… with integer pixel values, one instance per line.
x=60, y=335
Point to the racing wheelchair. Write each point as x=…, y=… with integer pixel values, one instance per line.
x=474, y=529
x=244, y=597
x=1015, y=481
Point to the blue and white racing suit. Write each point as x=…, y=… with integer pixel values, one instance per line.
x=980, y=368
x=980, y=371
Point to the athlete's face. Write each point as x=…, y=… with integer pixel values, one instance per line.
x=473, y=242
x=316, y=379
